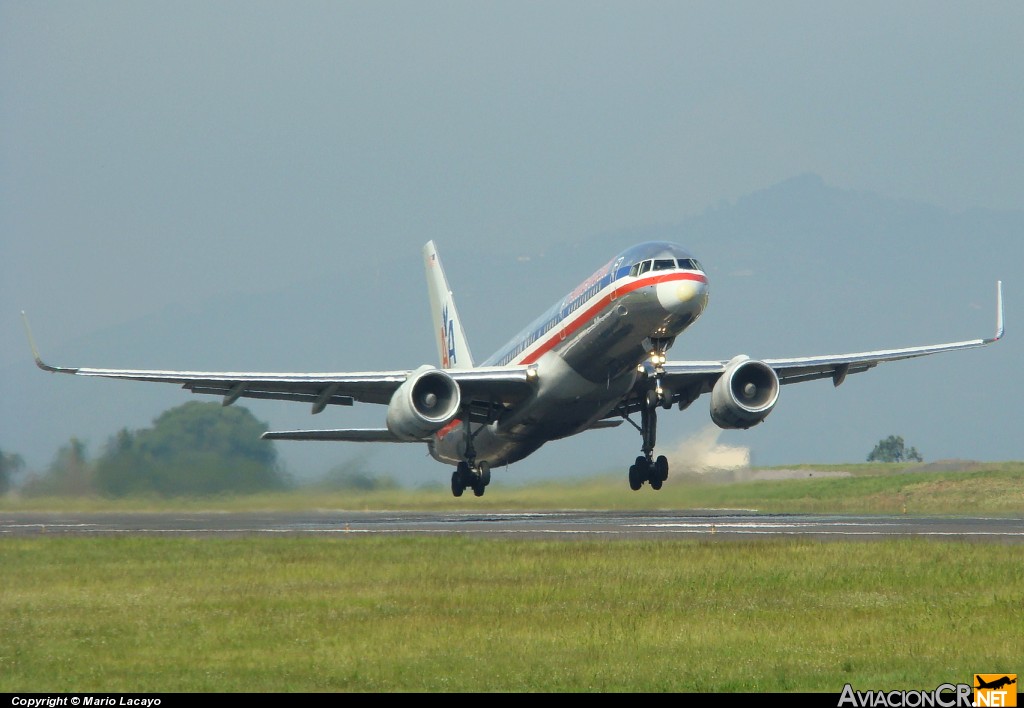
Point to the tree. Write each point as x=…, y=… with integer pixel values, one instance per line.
x=892, y=449
x=10, y=465
x=196, y=448
x=355, y=475
x=69, y=475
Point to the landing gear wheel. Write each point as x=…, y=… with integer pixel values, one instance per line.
x=479, y=478
x=635, y=479
x=457, y=486
x=661, y=467
x=652, y=399
x=659, y=471
x=474, y=477
x=639, y=472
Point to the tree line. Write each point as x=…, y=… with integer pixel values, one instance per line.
x=203, y=448
x=194, y=449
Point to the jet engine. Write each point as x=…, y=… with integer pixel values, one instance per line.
x=745, y=394
x=427, y=401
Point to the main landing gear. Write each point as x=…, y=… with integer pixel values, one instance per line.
x=475, y=477
x=470, y=473
x=646, y=470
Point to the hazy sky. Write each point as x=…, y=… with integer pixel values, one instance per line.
x=157, y=153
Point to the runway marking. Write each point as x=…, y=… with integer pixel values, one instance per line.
x=666, y=524
x=49, y=526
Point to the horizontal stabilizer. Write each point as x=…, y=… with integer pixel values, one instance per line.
x=342, y=435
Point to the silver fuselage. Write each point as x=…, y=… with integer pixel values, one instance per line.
x=587, y=349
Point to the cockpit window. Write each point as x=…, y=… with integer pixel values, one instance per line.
x=663, y=264
x=642, y=267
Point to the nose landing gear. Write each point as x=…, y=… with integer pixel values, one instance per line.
x=647, y=468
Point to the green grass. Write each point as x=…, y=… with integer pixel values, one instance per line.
x=466, y=614
x=461, y=614
x=989, y=488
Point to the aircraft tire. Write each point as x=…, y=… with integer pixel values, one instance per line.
x=485, y=473
x=478, y=489
x=635, y=480
x=660, y=468
x=652, y=399
x=457, y=486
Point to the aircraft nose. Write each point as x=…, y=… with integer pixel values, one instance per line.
x=689, y=296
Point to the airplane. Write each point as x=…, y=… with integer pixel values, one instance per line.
x=995, y=684
x=595, y=359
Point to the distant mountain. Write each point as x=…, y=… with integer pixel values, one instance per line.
x=798, y=268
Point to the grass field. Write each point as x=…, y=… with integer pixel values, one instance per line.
x=460, y=614
x=989, y=488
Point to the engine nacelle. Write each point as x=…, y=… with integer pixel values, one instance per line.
x=745, y=394
x=427, y=401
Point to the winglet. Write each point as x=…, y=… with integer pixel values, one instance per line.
x=451, y=339
x=999, y=313
x=35, y=351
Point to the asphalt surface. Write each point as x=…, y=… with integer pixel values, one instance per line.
x=563, y=525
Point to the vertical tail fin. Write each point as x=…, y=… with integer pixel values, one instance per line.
x=451, y=339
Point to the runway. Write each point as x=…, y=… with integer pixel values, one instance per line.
x=711, y=525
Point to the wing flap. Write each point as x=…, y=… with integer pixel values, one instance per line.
x=341, y=434
x=230, y=397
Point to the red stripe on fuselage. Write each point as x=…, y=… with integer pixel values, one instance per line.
x=560, y=333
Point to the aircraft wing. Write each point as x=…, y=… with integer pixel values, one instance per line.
x=482, y=388
x=837, y=366
x=689, y=379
